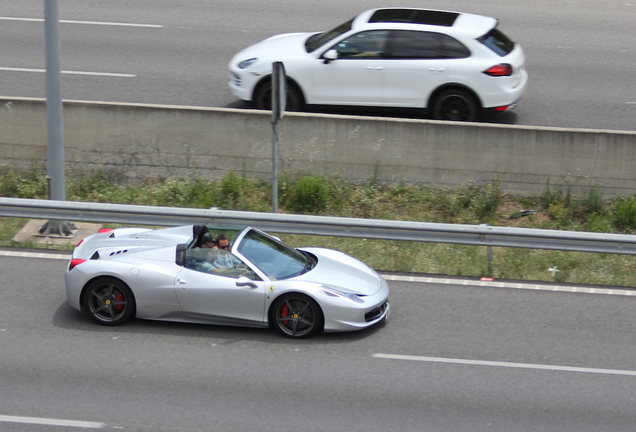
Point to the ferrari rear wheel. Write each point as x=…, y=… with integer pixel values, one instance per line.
x=109, y=301
x=297, y=316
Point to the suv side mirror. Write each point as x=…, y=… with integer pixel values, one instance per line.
x=330, y=55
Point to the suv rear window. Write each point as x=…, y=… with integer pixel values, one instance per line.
x=414, y=16
x=498, y=42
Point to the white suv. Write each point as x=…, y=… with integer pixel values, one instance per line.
x=454, y=64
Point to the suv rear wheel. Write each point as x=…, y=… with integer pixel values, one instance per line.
x=455, y=105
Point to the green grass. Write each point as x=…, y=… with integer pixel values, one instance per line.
x=557, y=207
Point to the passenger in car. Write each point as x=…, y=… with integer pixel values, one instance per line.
x=211, y=244
x=210, y=258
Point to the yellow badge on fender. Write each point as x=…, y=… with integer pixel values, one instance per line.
x=272, y=288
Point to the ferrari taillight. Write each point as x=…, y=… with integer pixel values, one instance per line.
x=75, y=262
x=502, y=69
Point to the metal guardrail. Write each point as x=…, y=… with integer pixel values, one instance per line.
x=477, y=235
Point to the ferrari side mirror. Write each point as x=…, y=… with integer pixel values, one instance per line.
x=181, y=254
x=245, y=281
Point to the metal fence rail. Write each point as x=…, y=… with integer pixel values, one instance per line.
x=476, y=235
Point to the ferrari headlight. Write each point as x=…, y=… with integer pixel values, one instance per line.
x=337, y=293
x=247, y=63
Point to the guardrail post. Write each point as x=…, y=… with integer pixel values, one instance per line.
x=488, y=251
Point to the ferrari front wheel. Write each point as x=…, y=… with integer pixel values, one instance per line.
x=109, y=301
x=296, y=316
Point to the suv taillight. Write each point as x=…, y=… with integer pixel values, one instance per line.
x=502, y=69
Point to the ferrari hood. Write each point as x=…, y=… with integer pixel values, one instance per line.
x=338, y=270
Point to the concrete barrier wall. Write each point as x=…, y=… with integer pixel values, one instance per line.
x=155, y=142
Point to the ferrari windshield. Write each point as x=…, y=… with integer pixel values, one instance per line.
x=275, y=259
x=316, y=41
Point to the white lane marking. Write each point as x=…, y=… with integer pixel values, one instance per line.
x=84, y=22
x=109, y=74
x=35, y=255
x=51, y=422
x=525, y=286
x=505, y=364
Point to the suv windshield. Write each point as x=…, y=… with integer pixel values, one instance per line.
x=497, y=42
x=316, y=41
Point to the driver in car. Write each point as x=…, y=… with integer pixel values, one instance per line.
x=225, y=259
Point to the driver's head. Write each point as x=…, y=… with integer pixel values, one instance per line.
x=223, y=242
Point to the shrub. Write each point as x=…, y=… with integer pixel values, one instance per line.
x=623, y=214
x=24, y=185
x=231, y=187
x=310, y=195
x=486, y=203
x=594, y=201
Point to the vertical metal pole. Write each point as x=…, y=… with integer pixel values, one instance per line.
x=278, y=110
x=275, y=168
x=54, y=122
x=54, y=125
x=275, y=106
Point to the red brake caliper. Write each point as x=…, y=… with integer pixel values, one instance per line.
x=284, y=313
x=120, y=297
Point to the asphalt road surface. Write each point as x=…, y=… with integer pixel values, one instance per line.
x=580, y=53
x=451, y=358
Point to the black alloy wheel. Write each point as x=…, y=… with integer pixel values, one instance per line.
x=455, y=105
x=263, y=98
x=297, y=316
x=109, y=301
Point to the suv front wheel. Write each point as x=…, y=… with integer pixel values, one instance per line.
x=455, y=105
x=263, y=97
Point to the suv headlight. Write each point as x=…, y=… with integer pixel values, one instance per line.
x=247, y=63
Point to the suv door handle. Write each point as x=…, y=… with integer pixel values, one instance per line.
x=437, y=69
x=374, y=68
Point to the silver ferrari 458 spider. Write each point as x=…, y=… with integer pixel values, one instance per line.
x=175, y=274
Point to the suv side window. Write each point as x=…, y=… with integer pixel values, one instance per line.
x=406, y=44
x=413, y=45
x=363, y=45
x=451, y=48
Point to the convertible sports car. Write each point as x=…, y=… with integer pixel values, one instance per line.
x=173, y=275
